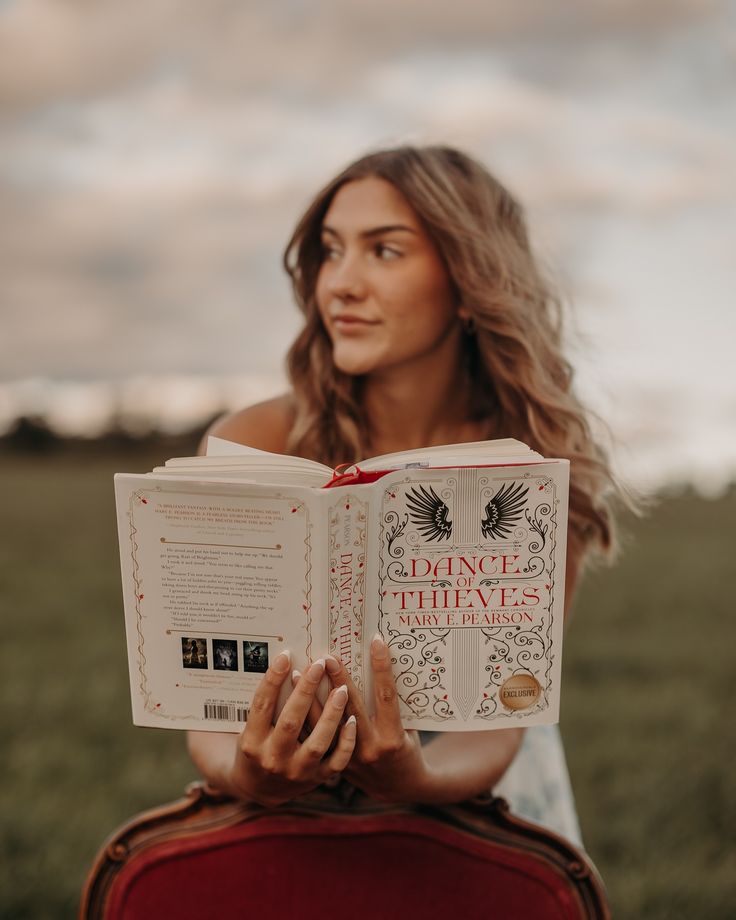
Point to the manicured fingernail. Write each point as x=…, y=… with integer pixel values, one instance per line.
x=340, y=695
x=332, y=665
x=378, y=646
x=295, y=675
x=316, y=669
x=351, y=727
x=282, y=662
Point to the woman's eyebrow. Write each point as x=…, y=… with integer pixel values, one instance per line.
x=374, y=231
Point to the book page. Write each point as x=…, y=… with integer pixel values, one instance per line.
x=472, y=453
x=216, y=581
x=469, y=586
x=220, y=448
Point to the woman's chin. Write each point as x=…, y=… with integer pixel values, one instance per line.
x=352, y=363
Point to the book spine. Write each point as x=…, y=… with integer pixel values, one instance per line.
x=347, y=531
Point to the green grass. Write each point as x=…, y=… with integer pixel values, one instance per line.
x=648, y=675
x=647, y=680
x=74, y=766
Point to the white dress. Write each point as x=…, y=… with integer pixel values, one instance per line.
x=537, y=784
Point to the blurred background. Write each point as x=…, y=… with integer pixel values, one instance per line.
x=154, y=158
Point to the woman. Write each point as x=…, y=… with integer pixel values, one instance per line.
x=426, y=322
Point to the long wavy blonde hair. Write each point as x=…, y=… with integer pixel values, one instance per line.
x=520, y=380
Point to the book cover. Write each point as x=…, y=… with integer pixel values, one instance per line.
x=461, y=569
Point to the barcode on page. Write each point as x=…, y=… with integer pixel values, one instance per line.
x=225, y=713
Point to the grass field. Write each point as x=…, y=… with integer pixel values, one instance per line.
x=649, y=670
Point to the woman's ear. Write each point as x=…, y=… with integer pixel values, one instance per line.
x=466, y=318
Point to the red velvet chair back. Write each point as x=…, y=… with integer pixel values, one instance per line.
x=206, y=856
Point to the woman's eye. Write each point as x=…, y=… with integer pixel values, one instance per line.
x=329, y=253
x=385, y=252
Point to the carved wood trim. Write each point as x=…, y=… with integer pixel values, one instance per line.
x=203, y=811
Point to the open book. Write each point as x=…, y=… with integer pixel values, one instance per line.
x=455, y=554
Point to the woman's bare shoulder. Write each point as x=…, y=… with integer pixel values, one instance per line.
x=265, y=425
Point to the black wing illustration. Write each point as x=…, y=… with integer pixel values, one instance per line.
x=504, y=510
x=429, y=513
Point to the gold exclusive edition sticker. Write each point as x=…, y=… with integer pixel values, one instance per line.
x=520, y=691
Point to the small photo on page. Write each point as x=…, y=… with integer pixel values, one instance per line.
x=194, y=652
x=225, y=654
x=255, y=657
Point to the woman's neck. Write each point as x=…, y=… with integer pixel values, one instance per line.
x=419, y=407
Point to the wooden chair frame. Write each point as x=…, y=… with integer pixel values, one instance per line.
x=202, y=812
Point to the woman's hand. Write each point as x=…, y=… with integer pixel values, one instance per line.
x=271, y=766
x=388, y=763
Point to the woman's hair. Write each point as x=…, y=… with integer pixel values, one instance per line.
x=520, y=381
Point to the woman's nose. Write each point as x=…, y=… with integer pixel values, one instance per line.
x=345, y=278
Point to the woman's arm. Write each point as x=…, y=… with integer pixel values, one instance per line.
x=461, y=765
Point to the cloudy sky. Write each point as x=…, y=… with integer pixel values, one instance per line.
x=154, y=157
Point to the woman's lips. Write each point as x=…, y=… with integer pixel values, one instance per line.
x=347, y=323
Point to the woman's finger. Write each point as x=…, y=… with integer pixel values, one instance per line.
x=340, y=757
x=263, y=705
x=315, y=710
x=338, y=674
x=388, y=716
x=318, y=743
x=356, y=706
x=289, y=724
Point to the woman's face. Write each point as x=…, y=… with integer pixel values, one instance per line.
x=382, y=290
